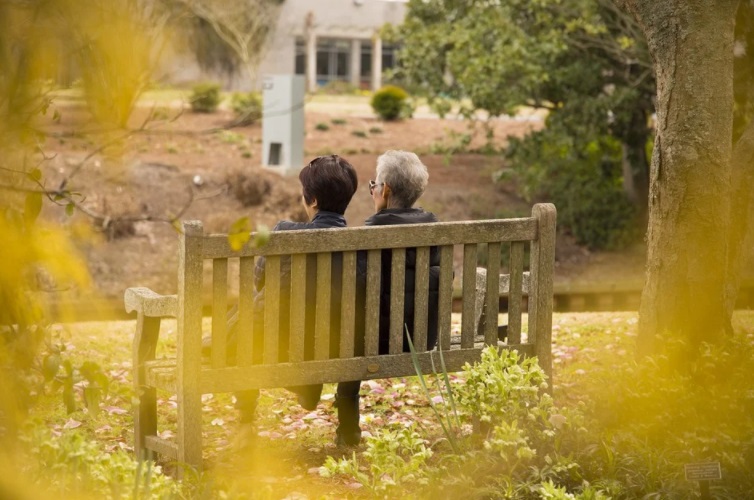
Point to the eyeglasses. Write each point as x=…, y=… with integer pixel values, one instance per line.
x=373, y=185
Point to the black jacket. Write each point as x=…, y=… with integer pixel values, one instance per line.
x=392, y=216
x=322, y=220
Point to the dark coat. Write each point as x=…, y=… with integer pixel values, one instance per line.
x=322, y=220
x=392, y=216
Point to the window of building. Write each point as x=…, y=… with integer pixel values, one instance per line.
x=389, y=52
x=333, y=60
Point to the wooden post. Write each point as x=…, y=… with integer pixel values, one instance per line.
x=145, y=415
x=189, y=345
x=542, y=264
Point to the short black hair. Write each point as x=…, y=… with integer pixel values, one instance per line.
x=331, y=180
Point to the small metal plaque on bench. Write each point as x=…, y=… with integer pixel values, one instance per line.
x=703, y=471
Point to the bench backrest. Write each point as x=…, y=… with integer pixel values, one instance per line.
x=474, y=239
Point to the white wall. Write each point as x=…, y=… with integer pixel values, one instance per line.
x=332, y=19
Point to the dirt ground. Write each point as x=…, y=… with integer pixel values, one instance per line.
x=189, y=164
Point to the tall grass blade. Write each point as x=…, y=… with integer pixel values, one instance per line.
x=448, y=388
x=417, y=368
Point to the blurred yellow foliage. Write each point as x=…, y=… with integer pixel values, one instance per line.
x=108, y=44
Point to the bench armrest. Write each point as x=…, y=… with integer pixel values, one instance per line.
x=150, y=304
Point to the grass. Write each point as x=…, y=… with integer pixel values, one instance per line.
x=287, y=445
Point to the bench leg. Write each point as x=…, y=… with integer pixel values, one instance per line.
x=190, y=429
x=145, y=416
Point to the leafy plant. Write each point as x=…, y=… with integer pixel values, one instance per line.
x=247, y=107
x=582, y=177
x=389, y=102
x=395, y=456
x=205, y=97
x=71, y=464
x=322, y=126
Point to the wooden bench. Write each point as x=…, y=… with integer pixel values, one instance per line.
x=189, y=375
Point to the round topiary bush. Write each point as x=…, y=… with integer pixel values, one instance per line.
x=205, y=97
x=389, y=102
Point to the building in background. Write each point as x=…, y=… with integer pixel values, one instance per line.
x=333, y=40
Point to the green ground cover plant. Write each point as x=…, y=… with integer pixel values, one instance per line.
x=612, y=428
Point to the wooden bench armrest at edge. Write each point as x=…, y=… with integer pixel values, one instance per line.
x=150, y=304
x=150, y=308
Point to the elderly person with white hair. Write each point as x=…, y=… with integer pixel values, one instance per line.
x=401, y=179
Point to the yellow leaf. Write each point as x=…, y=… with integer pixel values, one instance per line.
x=239, y=233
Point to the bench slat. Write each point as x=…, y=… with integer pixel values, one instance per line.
x=491, y=294
x=468, y=328
x=162, y=446
x=372, y=316
x=219, y=309
x=298, y=307
x=245, y=325
x=322, y=325
x=514, y=292
x=338, y=370
x=446, y=295
x=348, y=305
x=397, y=299
x=371, y=238
x=421, y=299
x=271, y=308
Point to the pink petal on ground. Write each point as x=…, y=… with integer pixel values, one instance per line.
x=114, y=410
x=72, y=424
x=437, y=400
x=371, y=384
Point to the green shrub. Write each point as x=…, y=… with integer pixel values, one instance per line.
x=390, y=102
x=338, y=121
x=247, y=107
x=324, y=127
x=583, y=178
x=359, y=133
x=441, y=106
x=205, y=97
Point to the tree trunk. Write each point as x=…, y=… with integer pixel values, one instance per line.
x=691, y=42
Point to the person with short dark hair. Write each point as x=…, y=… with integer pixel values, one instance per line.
x=328, y=184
